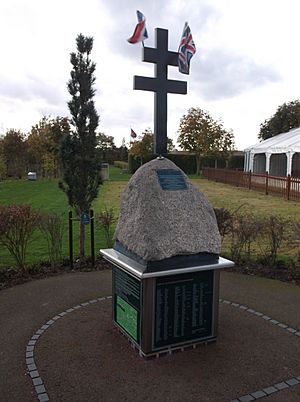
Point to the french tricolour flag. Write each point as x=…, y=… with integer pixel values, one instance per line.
x=140, y=33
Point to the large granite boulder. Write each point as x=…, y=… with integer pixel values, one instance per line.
x=165, y=219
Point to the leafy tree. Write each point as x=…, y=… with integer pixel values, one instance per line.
x=81, y=178
x=43, y=145
x=201, y=134
x=287, y=116
x=2, y=168
x=145, y=145
x=105, y=144
x=14, y=150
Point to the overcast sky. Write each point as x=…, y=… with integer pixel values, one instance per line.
x=247, y=61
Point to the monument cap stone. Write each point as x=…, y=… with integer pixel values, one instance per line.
x=165, y=221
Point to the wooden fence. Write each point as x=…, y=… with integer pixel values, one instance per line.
x=287, y=187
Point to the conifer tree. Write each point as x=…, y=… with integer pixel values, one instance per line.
x=80, y=168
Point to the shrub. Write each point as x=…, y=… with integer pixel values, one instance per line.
x=224, y=220
x=106, y=219
x=52, y=228
x=273, y=232
x=244, y=231
x=17, y=225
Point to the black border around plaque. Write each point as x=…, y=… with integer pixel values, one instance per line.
x=187, y=301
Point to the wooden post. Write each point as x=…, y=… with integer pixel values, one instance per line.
x=267, y=182
x=70, y=239
x=92, y=237
x=288, y=187
x=249, y=181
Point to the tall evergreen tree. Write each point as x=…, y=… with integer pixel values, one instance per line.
x=81, y=178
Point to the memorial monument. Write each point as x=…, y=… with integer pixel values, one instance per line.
x=167, y=245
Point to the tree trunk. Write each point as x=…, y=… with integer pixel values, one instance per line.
x=81, y=240
x=198, y=164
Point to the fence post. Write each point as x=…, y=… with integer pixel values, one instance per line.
x=267, y=182
x=288, y=185
x=249, y=180
x=70, y=239
x=92, y=237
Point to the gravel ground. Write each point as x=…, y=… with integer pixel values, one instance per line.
x=82, y=357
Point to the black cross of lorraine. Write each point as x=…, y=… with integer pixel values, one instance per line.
x=160, y=85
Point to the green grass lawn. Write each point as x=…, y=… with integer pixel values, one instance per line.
x=46, y=196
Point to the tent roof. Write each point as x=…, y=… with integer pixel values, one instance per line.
x=281, y=143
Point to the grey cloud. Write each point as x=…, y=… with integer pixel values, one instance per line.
x=30, y=88
x=158, y=14
x=218, y=74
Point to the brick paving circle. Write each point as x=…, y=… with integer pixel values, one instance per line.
x=43, y=396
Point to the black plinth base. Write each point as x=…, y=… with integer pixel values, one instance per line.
x=176, y=262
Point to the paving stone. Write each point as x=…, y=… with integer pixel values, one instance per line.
x=40, y=331
x=40, y=389
x=292, y=330
x=43, y=397
x=258, y=394
x=29, y=354
x=281, y=385
x=101, y=298
x=274, y=322
x=243, y=307
x=57, y=317
x=226, y=301
x=293, y=381
x=35, y=337
x=93, y=301
x=258, y=313
x=298, y=378
x=266, y=317
x=31, y=367
x=30, y=348
x=235, y=304
x=70, y=310
x=85, y=304
x=297, y=333
x=50, y=322
x=281, y=325
x=76, y=307
x=45, y=327
x=62, y=314
x=270, y=390
x=34, y=374
x=37, y=381
x=246, y=398
x=30, y=361
x=109, y=297
x=32, y=343
x=250, y=310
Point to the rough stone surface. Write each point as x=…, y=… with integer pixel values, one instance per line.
x=156, y=224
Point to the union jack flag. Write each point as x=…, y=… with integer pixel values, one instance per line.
x=186, y=50
x=140, y=33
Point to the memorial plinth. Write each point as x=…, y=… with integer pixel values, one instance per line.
x=166, y=263
x=168, y=309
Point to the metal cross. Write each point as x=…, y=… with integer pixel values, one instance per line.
x=160, y=85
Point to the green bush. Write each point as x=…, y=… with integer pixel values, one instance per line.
x=121, y=164
x=52, y=228
x=236, y=162
x=185, y=162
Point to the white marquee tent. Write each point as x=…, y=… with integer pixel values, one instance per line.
x=279, y=155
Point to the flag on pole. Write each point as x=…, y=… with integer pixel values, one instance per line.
x=140, y=33
x=186, y=50
x=133, y=134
